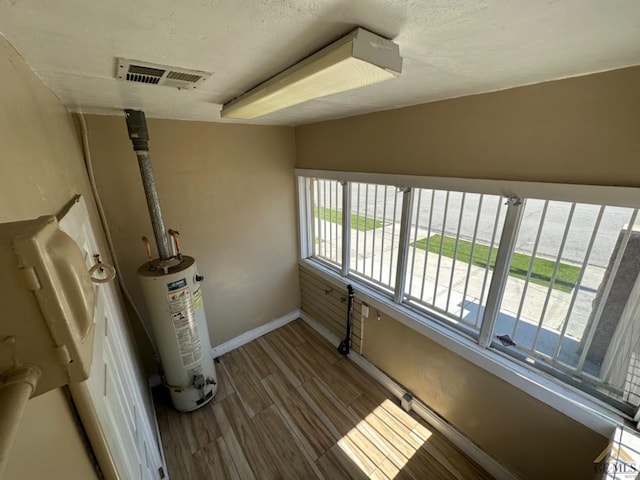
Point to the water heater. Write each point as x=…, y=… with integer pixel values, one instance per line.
x=172, y=291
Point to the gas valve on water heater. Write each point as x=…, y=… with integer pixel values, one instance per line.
x=172, y=291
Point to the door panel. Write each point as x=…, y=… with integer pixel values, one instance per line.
x=117, y=388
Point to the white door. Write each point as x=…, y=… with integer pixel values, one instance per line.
x=116, y=387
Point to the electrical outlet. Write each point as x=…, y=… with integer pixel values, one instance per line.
x=365, y=310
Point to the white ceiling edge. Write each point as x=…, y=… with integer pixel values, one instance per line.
x=362, y=110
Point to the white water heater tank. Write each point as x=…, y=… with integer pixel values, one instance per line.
x=174, y=300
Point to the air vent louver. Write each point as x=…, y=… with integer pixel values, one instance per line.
x=187, y=77
x=152, y=74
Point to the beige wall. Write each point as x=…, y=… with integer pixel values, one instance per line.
x=42, y=168
x=579, y=130
x=531, y=439
x=229, y=191
x=329, y=305
x=50, y=443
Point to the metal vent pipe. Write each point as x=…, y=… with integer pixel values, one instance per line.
x=139, y=135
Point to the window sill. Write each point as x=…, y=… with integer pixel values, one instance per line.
x=590, y=412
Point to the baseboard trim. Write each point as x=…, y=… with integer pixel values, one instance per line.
x=491, y=465
x=242, y=339
x=251, y=335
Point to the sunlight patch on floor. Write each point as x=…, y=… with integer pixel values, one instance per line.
x=383, y=442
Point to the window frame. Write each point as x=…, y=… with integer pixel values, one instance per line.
x=479, y=348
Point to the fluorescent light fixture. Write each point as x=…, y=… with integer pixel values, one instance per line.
x=357, y=59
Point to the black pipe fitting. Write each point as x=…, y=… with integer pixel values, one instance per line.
x=137, y=127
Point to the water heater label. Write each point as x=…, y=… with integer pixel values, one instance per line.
x=184, y=322
x=197, y=300
x=177, y=285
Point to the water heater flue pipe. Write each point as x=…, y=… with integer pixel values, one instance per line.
x=172, y=290
x=139, y=135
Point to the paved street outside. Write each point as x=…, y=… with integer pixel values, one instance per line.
x=582, y=223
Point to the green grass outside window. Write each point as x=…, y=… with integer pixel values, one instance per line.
x=358, y=222
x=541, y=272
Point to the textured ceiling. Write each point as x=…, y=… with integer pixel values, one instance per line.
x=451, y=48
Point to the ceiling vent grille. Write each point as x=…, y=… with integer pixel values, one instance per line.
x=153, y=74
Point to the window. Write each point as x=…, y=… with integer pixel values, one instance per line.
x=570, y=279
x=547, y=280
x=375, y=233
x=327, y=220
x=453, y=245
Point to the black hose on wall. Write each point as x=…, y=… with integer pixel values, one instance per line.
x=344, y=346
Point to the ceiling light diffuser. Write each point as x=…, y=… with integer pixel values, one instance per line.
x=358, y=59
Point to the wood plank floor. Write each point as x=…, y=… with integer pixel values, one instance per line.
x=290, y=407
